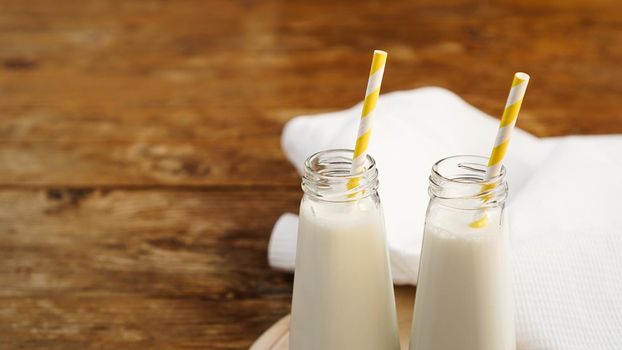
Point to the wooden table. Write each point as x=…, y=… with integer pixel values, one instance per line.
x=140, y=165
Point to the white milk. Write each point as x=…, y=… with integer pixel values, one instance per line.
x=464, y=299
x=343, y=294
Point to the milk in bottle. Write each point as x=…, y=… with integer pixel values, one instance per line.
x=464, y=299
x=343, y=292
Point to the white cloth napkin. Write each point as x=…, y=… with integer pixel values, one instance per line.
x=566, y=225
x=412, y=130
x=564, y=206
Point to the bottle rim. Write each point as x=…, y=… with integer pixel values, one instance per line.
x=370, y=165
x=328, y=176
x=462, y=178
x=472, y=159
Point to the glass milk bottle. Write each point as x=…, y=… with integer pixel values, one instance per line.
x=343, y=292
x=464, y=298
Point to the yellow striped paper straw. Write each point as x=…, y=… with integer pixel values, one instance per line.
x=506, y=125
x=367, y=115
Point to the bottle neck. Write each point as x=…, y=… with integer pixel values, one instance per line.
x=460, y=182
x=328, y=177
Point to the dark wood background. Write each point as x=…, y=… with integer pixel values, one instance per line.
x=140, y=165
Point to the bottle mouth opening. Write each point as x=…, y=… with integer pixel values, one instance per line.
x=336, y=164
x=461, y=181
x=466, y=169
x=328, y=176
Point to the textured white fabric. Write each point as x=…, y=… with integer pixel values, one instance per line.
x=568, y=288
x=566, y=225
x=282, y=246
x=565, y=208
x=413, y=129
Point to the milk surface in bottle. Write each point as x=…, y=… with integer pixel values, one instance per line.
x=343, y=293
x=464, y=298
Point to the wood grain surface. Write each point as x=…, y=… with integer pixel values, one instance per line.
x=140, y=163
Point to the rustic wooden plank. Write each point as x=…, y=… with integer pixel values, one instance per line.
x=85, y=88
x=131, y=322
x=183, y=243
x=88, y=268
x=134, y=322
x=71, y=163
